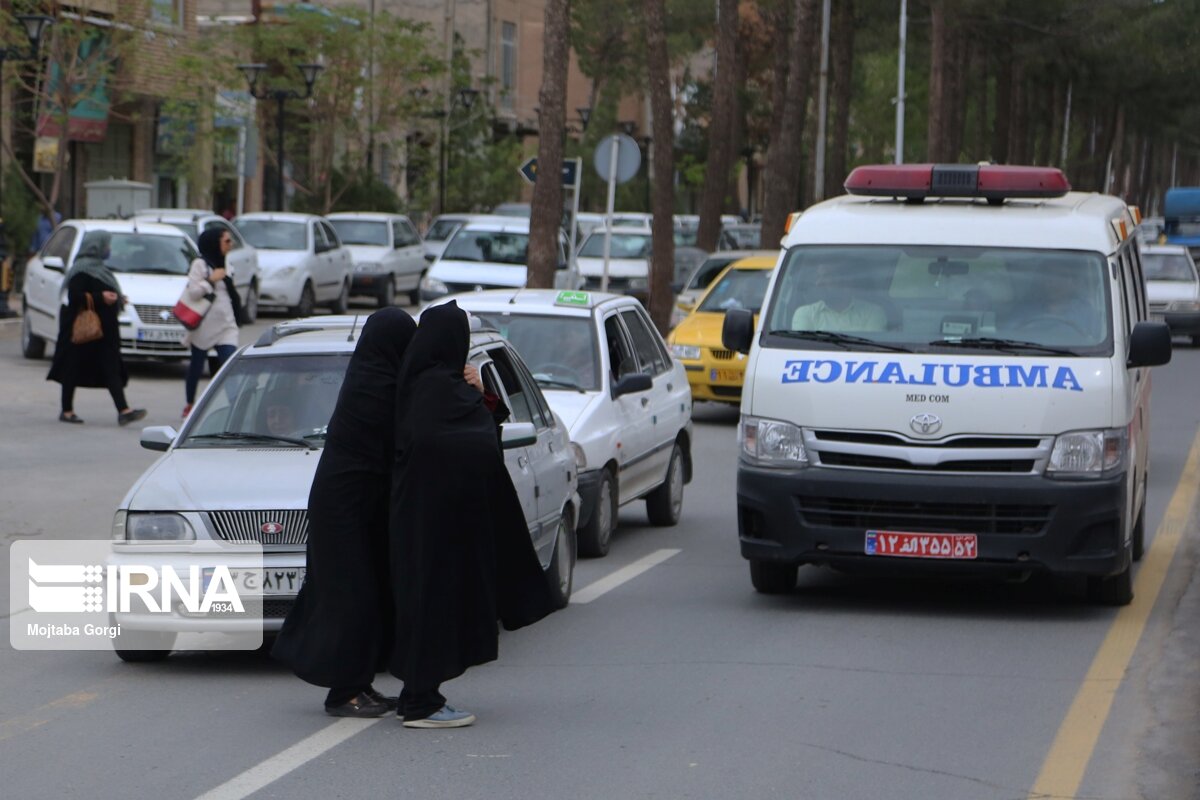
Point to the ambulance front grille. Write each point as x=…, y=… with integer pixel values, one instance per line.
x=886, y=451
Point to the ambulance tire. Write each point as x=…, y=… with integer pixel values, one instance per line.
x=1139, y=534
x=1112, y=590
x=773, y=577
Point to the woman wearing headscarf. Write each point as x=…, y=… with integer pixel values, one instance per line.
x=95, y=364
x=339, y=632
x=460, y=548
x=219, y=329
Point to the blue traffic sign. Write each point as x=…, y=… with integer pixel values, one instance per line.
x=529, y=170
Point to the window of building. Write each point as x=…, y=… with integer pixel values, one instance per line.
x=166, y=12
x=508, y=63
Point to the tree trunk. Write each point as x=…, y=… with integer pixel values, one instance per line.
x=783, y=153
x=1018, y=132
x=1004, y=90
x=939, y=46
x=720, y=128
x=979, y=67
x=545, y=216
x=842, y=62
x=658, y=69
x=957, y=79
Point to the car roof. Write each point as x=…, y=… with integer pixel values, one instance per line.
x=756, y=262
x=278, y=216
x=125, y=226
x=491, y=222
x=1164, y=249
x=537, y=301
x=1074, y=221
x=188, y=214
x=381, y=216
x=324, y=335
x=736, y=254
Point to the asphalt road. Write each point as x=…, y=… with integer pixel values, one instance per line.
x=678, y=682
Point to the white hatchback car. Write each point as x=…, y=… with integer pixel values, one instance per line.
x=628, y=260
x=150, y=260
x=241, y=468
x=609, y=375
x=241, y=261
x=1173, y=288
x=387, y=252
x=302, y=260
x=488, y=252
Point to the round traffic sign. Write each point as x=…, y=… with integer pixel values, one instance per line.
x=629, y=157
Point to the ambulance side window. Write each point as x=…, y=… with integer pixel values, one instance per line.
x=1135, y=259
x=1128, y=296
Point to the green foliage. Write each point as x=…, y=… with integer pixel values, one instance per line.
x=353, y=190
x=19, y=212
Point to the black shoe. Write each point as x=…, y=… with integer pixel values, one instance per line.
x=131, y=416
x=73, y=419
x=391, y=702
x=361, y=706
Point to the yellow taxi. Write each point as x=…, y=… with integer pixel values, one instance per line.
x=715, y=373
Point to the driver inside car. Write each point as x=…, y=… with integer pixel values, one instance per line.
x=837, y=309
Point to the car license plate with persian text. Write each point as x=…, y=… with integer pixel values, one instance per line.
x=724, y=375
x=156, y=335
x=265, y=582
x=922, y=545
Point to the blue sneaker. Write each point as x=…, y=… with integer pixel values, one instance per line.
x=446, y=717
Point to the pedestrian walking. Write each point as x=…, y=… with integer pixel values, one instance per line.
x=92, y=286
x=339, y=632
x=207, y=277
x=461, y=556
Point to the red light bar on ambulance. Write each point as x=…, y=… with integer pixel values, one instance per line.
x=994, y=182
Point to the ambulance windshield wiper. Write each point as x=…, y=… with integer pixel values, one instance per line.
x=993, y=343
x=843, y=339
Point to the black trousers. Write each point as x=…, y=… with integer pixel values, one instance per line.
x=114, y=388
x=414, y=704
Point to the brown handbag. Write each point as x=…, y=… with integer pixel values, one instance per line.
x=86, y=327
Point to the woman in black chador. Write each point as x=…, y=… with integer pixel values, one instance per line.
x=461, y=554
x=95, y=364
x=339, y=633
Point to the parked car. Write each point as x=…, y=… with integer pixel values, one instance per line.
x=302, y=260
x=714, y=371
x=740, y=236
x=512, y=210
x=387, y=252
x=241, y=262
x=441, y=230
x=488, y=252
x=1173, y=288
x=241, y=467
x=628, y=260
x=690, y=291
x=608, y=374
x=150, y=260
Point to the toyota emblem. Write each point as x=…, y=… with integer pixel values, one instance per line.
x=926, y=424
x=271, y=528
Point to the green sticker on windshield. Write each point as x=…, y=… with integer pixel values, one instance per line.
x=573, y=299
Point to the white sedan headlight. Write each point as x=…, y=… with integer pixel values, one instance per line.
x=639, y=283
x=157, y=527
x=580, y=456
x=772, y=443
x=686, y=352
x=434, y=286
x=368, y=266
x=1184, y=305
x=283, y=272
x=1087, y=453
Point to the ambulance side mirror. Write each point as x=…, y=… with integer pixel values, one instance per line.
x=1149, y=345
x=737, y=333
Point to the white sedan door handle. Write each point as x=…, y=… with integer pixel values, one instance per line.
x=522, y=462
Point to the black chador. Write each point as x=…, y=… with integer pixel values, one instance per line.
x=461, y=553
x=339, y=634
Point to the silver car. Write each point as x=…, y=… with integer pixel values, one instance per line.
x=241, y=468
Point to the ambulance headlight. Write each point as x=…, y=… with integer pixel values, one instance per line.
x=772, y=443
x=1088, y=453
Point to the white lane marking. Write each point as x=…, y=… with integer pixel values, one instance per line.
x=625, y=574
x=329, y=737
x=296, y=756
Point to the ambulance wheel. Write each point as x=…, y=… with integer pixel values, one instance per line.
x=1112, y=590
x=773, y=577
x=1139, y=535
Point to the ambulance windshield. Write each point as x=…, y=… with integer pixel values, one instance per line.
x=931, y=298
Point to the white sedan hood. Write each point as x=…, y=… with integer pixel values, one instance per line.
x=617, y=267
x=1170, y=291
x=270, y=260
x=151, y=290
x=482, y=273
x=570, y=406
x=226, y=478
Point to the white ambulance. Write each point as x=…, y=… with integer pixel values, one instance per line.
x=950, y=372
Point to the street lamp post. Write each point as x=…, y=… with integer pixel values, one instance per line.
x=35, y=26
x=253, y=73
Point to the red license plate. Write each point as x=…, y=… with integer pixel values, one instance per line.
x=922, y=545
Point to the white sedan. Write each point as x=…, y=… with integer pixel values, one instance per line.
x=606, y=371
